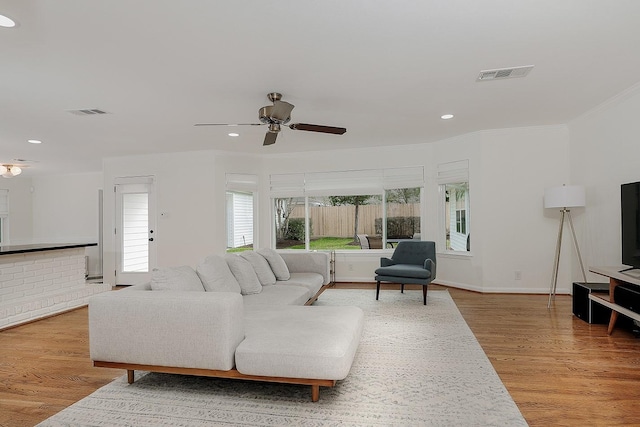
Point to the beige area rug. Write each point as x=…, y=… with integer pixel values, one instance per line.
x=416, y=366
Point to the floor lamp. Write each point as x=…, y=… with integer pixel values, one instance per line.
x=564, y=197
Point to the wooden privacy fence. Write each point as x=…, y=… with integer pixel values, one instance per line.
x=338, y=221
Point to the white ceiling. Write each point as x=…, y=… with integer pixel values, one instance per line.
x=385, y=70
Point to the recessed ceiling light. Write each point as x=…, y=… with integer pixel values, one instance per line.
x=234, y=134
x=7, y=22
x=34, y=141
x=446, y=116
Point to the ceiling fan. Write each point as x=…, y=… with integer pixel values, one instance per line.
x=279, y=114
x=9, y=170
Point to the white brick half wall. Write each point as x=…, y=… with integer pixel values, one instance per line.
x=38, y=284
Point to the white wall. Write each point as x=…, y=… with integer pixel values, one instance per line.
x=509, y=170
x=518, y=233
x=190, y=198
x=20, y=209
x=605, y=153
x=66, y=210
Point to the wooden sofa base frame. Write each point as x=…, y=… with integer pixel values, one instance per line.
x=233, y=374
x=315, y=297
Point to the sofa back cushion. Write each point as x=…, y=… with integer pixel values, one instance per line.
x=277, y=264
x=261, y=267
x=216, y=276
x=183, y=278
x=244, y=273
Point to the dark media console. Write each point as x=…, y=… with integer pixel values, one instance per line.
x=624, y=293
x=627, y=295
x=587, y=310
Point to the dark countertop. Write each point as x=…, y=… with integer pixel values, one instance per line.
x=21, y=249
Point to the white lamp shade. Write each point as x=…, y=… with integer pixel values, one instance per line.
x=566, y=196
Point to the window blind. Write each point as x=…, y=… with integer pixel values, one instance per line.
x=338, y=183
x=287, y=185
x=452, y=172
x=241, y=182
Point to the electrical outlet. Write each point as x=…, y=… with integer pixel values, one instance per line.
x=350, y=267
x=518, y=275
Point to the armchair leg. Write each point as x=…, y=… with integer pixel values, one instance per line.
x=402, y=288
x=377, y=289
x=424, y=294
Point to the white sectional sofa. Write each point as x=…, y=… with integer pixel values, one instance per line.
x=217, y=321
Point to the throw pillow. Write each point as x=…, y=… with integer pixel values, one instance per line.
x=278, y=266
x=261, y=267
x=216, y=275
x=182, y=278
x=244, y=274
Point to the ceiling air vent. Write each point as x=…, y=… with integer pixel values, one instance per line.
x=504, y=73
x=88, y=112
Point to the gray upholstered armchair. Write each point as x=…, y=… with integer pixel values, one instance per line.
x=411, y=262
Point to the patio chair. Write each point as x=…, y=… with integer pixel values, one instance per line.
x=412, y=262
x=364, y=241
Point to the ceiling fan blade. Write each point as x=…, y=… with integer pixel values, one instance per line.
x=270, y=138
x=281, y=111
x=318, y=128
x=228, y=124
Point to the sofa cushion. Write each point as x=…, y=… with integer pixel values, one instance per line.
x=278, y=266
x=183, y=278
x=216, y=276
x=312, y=281
x=260, y=266
x=245, y=275
x=274, y=295
x=300, y=342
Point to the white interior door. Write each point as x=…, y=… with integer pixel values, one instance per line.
x=135, y=232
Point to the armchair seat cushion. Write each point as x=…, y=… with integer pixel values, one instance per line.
x=404, y=270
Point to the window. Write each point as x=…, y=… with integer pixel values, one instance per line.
x=403, y=213
x=346, y=210
x=240, y=208
x=461, y=225
x=239, y=221
x=454, y=188
x=290, y=225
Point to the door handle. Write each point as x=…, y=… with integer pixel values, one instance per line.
x=151, y=239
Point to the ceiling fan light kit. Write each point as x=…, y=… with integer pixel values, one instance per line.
x=280, y=114
x=9, y=171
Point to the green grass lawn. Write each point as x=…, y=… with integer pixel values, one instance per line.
x=322, y=243
x=329, y=243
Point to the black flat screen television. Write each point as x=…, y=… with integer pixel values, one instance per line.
x=630, y=211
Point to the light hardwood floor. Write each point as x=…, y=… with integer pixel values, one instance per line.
x=560, y=370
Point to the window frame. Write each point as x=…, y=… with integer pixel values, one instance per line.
x=242, y=184
x=454, y=174
x=372, y=182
